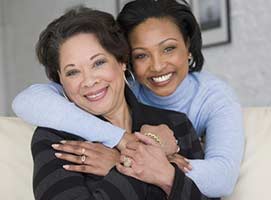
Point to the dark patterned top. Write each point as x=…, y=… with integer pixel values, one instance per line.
x=52, y=182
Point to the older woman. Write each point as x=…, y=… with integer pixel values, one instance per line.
x=166, y=55
x=85, y=52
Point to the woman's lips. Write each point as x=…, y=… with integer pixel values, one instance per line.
x=97, y=95
x=162, y=79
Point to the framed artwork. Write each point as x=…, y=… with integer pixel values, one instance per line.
x=212, y=16
x=120, y=4
x=214, y=21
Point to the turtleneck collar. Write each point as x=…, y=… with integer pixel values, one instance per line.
x=180, y=98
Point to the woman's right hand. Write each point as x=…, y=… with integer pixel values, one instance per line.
x=181, y=162
x=88, y=157
x=166, y=136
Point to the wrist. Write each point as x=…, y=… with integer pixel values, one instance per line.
x=127, y=137
x=166, y=180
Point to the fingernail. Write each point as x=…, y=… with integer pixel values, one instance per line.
x=190, y=167
x=186, y=160
x=185, y=170
x=58, y=154
x=66, y=166
x=55, y=145
x=63, y=141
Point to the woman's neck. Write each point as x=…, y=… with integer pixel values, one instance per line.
x=121, y=116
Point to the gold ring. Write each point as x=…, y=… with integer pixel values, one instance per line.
x=127, y=162
x=83, y=159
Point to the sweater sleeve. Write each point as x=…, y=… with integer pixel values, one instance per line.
x=217, y=174
x=52, y=181
x=184, y=188
x=43, y=105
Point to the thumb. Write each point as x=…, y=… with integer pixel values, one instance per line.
x=145, y=139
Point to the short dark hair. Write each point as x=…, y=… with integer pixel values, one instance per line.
x=138, y=11
x=78, y=20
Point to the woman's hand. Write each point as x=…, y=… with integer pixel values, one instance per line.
x=181, y=162
x=148, y=163
x=93, y=158
x=168, y=141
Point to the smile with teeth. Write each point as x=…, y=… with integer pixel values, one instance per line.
x=159, y=79
x=98, y=95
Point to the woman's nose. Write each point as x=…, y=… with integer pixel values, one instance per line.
x=157, y=64
x=89, y=80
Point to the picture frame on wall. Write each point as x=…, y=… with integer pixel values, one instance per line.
x=213, y=18
x=120, y=4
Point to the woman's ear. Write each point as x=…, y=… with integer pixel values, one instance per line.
x=60, y=77
x=123, y=66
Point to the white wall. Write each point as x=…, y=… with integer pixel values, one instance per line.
x=246, y=62
x=24, y=20
x=2, y=81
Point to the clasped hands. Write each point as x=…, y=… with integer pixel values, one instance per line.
x=149, y=160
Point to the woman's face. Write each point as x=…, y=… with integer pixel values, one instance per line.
x=92, y=78
x=159, y=55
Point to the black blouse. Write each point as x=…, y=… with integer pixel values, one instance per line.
x=51, y=181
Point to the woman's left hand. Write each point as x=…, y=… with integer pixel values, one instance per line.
x=148, y=163
x=93, y=158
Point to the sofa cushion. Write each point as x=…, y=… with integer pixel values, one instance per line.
x=16, y=161
x=253, y=182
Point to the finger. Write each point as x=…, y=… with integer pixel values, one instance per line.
x=78, y=150
x=71, y=158
x=145, y=139
x=182, y=164
x=133, y=145
x=128, y=171
x=84, y=144
x=80, y=168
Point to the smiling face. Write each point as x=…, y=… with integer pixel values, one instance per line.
x=159, y=55
x=91, y=77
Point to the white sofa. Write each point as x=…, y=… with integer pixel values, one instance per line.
x=16, y=162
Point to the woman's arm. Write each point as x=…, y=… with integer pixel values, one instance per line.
x=52, y=181
x=217, y=174
x=44, y=105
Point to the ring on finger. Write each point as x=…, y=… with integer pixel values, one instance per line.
x=83, y=150
x=127, y=162
x=83, y=158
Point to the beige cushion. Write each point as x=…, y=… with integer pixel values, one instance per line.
x=15, y=159
x=253, y=182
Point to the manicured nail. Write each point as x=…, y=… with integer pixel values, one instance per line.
x=185, y=170
x=55, y=145
x=66, y=166
x=63, y=141
x=58, y=154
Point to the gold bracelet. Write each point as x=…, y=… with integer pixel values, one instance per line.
x=154, y=137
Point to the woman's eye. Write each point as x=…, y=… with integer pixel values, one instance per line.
x=140, y=56
x=99, y=63
x=169, y=49
x=72, y=72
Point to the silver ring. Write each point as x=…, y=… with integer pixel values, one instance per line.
x=83, y=159
x=127, y=162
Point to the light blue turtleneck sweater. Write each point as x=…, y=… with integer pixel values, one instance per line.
x=208, y=102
